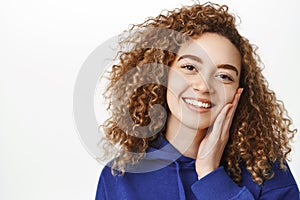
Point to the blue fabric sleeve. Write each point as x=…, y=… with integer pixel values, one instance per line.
x=218, y=185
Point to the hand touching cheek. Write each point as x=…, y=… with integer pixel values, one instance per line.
x=212, y=146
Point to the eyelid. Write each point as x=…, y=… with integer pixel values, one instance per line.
x=195, y=69
x=226, y=74
x=185, y=62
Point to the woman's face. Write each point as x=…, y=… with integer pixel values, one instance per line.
x=202, y=80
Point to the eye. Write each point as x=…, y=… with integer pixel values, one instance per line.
x=225, y=77
x=189, y=68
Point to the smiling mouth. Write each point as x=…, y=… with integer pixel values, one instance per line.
x=198, y=103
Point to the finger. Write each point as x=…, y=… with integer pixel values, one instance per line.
x=219, y=121
x=214, y=134
x=224, y=119
x=231, y=112
x=235, y=102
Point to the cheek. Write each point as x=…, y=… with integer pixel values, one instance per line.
x=173, y=102
x=230, y=95
x=176, y=83
x=175, y=88
x=226, y=94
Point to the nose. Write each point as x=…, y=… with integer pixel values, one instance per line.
x=201, y=84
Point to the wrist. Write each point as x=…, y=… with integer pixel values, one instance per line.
x=203, y=172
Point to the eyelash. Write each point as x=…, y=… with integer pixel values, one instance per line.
x=189, y=66
x=223, y=76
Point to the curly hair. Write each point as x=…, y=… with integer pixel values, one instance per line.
x=261, y=131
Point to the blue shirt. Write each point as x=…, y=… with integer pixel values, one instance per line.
x=165, y=174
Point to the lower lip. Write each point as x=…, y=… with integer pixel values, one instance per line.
x=197, y=109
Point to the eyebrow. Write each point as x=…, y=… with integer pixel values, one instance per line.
x=227, y=66
x=197, y=59
x=192, y=57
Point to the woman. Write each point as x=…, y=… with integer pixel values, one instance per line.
x=192, y=116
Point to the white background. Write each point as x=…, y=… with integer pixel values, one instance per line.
x=43, y=44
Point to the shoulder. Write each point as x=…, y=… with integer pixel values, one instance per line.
x=106, y=171
x=108, y=185
x=106, y=176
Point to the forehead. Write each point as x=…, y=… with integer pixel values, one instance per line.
x=212, y=48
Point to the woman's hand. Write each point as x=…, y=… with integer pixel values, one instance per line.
x=212, y=146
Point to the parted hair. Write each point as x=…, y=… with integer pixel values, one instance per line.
x=260, y=133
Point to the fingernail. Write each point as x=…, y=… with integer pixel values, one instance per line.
x=241, y=90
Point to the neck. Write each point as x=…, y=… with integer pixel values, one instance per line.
x=185, y=139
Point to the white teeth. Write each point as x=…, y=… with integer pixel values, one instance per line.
x=197, y=103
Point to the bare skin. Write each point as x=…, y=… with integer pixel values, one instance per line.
x=203, y=94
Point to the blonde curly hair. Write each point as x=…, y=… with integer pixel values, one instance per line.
x=261, y=130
